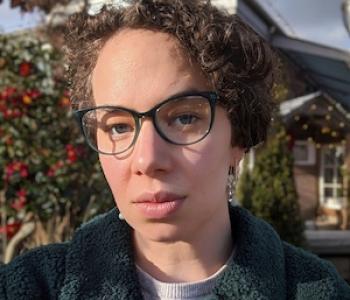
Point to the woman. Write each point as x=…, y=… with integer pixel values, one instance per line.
x=170, y=94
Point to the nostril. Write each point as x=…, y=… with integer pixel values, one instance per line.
x=139, y=173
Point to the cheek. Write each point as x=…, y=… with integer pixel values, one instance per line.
x=113, y=171
x=201, y=165
x=207, y=168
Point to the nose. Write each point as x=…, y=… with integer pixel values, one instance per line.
x=151, y=154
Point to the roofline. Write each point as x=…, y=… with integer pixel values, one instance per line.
x=255, y=21
x=337, y=105
x=278, y=36
x=288, y=106
x=269, y=16
x=308, y=47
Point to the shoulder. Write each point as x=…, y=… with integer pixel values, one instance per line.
x=308, y=275
x=35, y=274
x=280, y=266
x=41, y=272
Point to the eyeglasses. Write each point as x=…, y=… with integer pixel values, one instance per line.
x=181, y=120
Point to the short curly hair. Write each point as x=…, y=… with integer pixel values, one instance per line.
x=236, y=61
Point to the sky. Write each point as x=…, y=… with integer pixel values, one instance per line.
x=13, y=19
x=316, y=20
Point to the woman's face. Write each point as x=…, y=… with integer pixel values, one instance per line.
x=165, y=192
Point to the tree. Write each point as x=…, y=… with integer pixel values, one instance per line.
x=245, y=187
x=49, y=178
x=269, y=192
x=29, y=5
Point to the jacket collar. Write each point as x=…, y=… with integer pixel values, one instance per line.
x=258, y=270
x=99, y=262
x=100, y=265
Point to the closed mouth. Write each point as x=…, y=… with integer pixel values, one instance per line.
x=158, y=197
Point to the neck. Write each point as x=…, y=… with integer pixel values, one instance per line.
x=192, y=258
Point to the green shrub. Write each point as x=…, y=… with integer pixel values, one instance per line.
x=45, y=168
x=269, y=191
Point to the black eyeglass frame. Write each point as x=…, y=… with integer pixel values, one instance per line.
x=212, y=97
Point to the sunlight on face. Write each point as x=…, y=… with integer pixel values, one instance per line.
x=137, y=69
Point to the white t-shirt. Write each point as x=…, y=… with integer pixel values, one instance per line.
x=152, y=288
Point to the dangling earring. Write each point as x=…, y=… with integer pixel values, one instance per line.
x=231, y=184
x=121, y=217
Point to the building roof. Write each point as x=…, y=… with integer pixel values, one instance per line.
x=287, y=107
x=328, y=68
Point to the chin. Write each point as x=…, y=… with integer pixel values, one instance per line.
x=161, y=232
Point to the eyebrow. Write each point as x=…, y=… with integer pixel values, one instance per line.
x=184, y=92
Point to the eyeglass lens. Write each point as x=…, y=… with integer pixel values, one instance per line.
x=181, y=121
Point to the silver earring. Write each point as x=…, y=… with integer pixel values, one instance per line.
x=121, y=217
x=231, y=184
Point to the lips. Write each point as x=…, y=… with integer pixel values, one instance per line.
x=158, y=197
x=158, y=205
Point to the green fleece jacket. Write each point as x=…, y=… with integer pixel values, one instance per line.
x=98, y=264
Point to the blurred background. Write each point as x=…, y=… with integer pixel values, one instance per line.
x=298, y=181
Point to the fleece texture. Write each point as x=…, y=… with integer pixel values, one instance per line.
x=98, y=264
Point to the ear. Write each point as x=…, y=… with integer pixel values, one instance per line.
x=237, y=153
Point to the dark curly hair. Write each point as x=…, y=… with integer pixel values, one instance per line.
x=234, y=58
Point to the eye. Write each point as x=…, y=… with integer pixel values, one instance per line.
x=119, y=131
x=120, y=128
x=185, y=119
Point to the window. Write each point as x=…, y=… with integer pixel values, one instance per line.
x=304, y=153
x=332, y=187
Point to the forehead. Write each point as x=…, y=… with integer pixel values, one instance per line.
x=140, y=64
